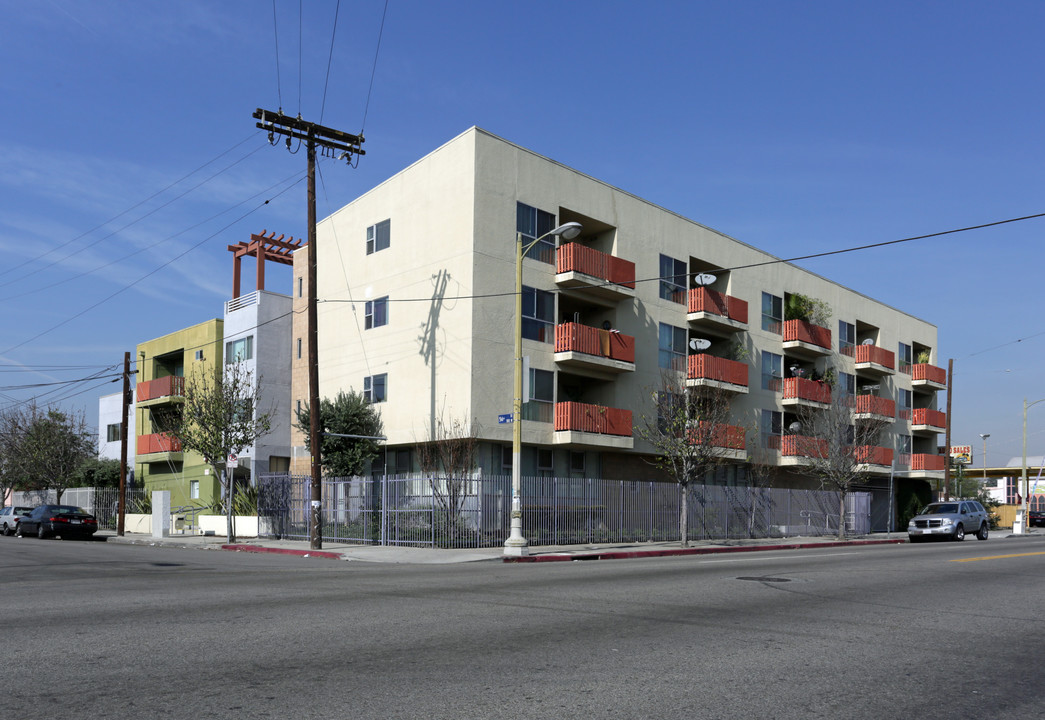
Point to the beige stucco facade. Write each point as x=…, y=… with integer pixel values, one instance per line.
x=448, y=274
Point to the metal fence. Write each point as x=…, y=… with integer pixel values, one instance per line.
x=475, y=512
x=103, y=503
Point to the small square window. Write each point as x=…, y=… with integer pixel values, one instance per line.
x=376, y=313
x=378, y=237
x=375, y=387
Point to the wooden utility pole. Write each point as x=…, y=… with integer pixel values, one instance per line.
x=343, y=146
x=126, y=398
x=947, y=449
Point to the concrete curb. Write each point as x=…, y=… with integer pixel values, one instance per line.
x=283, y=551
x=666, y=552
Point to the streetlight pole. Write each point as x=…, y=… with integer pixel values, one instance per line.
x=984, y=436
x=1026, y=485
x=516, y=545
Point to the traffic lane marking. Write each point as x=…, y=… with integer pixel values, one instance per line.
x=997, y=557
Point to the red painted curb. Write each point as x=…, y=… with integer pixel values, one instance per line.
x=631, y=554
x=283, y=551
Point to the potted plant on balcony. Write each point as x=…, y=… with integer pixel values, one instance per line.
x=811, y=310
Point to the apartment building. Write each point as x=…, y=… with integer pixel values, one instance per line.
x=417, y=310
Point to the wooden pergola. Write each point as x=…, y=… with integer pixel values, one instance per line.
x=264, y=248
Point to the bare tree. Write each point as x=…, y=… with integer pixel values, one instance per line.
x=690, y=434
x=448, y=461
x=220, y=417
x=838, y=446
x=761, y=469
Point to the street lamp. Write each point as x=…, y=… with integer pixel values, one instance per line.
x=1026, y=486
x=984, y=436
x=516, y=545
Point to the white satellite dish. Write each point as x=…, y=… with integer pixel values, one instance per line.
x=868, y=341
x=703, y=279
x=699, y=344
x=795, y=426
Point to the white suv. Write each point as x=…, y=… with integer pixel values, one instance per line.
x=9, y=518
x=951, y=519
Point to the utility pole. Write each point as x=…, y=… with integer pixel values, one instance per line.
x=343, y=146
x=122, y=504
x=947, y=451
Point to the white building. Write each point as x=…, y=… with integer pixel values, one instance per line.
x=110, y=419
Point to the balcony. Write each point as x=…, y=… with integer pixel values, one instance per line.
x=716, y=312
x=799, y=449
x=585, y=425
x=597, y=275
x=928, y=422
x=802, y=391
x=728, y=441
x=804, y=339
x=871, y=359
x=873, y=458
x=593, y=351
x=705, y=370
x=157, y=448
x=872, y=407
x=927, y=378
x=160, y=391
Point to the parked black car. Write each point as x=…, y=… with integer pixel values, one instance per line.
x=65, y=521
x=1036, y=517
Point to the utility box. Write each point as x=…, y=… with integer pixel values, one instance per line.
x=1019, y=524
x=161, y=513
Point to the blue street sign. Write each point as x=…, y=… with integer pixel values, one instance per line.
x=506, y=418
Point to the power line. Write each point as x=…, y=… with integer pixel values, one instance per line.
x=373, y=69
x=275, y=33
x=330, y=58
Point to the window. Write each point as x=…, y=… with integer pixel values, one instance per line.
x=545, y=460
x=772, y=427
x=112, y=432
x=239, y=350
x=534, y=223
x=298, y=411
x=199, y=354
x=905, y=357
x=378, y=237
x=903, y=402
x=847, y=383
x=846, y=337
x=539, y=405
x=903, y=446
x=299, y=348
x=301, y=285
x=194, y=489
x=506, y=458
x=672, y=351
x=672, y=279
x=772, y=312
x=538, y=308
x=376, y=313
x=577, y=462
x=772, y=370
x=375, y=388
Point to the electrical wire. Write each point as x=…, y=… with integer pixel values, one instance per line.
x=330, y=59
x=373, y=70
x=275, y=32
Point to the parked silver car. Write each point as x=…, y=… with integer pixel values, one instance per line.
x=951, y=519
x=9, y=518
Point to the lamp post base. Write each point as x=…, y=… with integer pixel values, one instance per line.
x=516, y=547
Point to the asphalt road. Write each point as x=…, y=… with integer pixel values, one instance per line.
x=927, y=631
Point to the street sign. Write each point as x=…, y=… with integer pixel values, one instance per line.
x=505, y=418
x=233, y=461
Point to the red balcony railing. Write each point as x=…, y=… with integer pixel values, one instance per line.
x=704, y=300
x=873, y=455
x=731, y=437
x=871, y=354
x=709, y=367
x=796, y=388
x=584, y=417
x=874, y=405
x=932, y=418
x=803, y=331
x=802, y=446
x=574, y=257
x=157, y=443
x=575, y=337
x=161, y=387
x=930, y=373
x=924, y=461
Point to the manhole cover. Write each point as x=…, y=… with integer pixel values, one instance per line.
x=765, y=579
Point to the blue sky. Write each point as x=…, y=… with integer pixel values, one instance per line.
x=131, y=161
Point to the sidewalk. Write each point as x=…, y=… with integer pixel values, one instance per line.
x=537, y=553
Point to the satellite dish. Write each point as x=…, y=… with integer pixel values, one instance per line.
x=703, y=279
x=795, y=426
x=868, y=341
x=699, y=344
